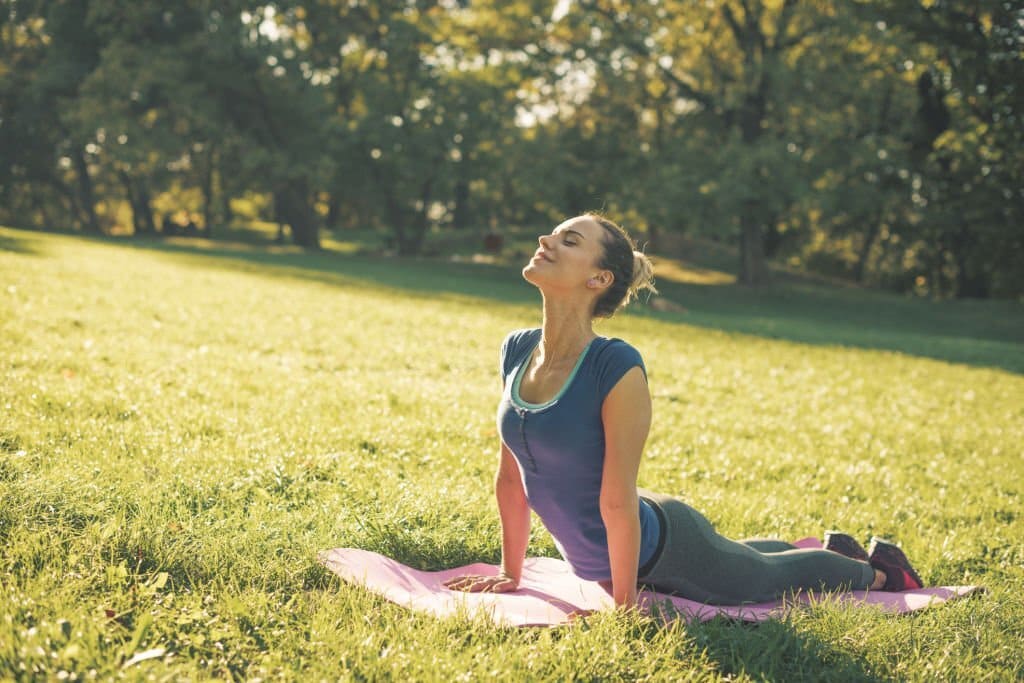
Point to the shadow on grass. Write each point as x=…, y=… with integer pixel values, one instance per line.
x=17, y=244
x=979, y=333
x=774, y=651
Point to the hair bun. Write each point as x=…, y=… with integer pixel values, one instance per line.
x=631, y=269
x=643, y=275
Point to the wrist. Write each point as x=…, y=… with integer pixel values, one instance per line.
x=626, y=600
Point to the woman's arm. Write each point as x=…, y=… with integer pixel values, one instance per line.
x=627, y=419
x=515, y=515
x=515, y=531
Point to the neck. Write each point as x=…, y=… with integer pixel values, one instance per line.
x=566, y=331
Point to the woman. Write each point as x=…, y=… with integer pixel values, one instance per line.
x=573, y=419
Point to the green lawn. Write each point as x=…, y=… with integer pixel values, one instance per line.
x=183, y=429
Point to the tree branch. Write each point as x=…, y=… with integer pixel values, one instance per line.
x=794, y=40
x=683, y=88
x=734, y=25
x=782, y=25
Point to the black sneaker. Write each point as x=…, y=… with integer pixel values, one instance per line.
x=888, y=558
x=844, y=544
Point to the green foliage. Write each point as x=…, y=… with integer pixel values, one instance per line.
x=878, y=141
x=184, y=430
x=970, y=195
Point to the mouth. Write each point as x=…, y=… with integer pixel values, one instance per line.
x=541, y=256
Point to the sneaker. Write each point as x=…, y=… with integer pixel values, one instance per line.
x=888, y=558
x=844, y=544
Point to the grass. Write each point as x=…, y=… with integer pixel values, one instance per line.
x=185, y=426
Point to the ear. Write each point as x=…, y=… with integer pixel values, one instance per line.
x=601, y=280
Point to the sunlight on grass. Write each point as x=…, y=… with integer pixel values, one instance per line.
x=183, y=431
x=679, y=271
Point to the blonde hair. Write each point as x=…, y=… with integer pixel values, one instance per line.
x=643, y=277
x=632, y=271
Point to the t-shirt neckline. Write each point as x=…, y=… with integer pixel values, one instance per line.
x=521, y=402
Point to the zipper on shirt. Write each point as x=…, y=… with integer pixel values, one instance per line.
x=526, y=444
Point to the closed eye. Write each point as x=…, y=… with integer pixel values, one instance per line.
x=571, y=237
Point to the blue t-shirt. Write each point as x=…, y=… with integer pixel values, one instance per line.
x=559, y=446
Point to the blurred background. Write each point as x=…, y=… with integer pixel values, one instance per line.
x=870, y=141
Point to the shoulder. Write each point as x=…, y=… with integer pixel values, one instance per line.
x=516, y=341
x=516, y=337
x=615, y=351
x=613, y=359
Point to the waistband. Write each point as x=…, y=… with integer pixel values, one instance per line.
x=662, y=534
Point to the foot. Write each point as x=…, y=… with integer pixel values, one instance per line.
x=844, y=544
x=890, y=560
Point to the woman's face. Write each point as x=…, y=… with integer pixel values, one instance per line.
x=568, y=257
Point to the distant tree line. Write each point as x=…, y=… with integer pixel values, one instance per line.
x=877, y=140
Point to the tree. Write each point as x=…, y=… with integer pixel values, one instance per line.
x=969, y=142
x=46, y=54
x=730, y=69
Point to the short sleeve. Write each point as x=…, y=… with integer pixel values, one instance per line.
x=615, y=359
x=513, y=347
x=507, y=351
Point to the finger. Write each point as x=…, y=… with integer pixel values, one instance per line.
x=502, y=585
x=459, y=582
x=486, y=584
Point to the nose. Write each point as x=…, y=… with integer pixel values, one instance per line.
x=542, y=240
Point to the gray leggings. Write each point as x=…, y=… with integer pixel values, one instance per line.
x=699, y=564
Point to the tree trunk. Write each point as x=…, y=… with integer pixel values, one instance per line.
x=38, y=200
x=293, y=207
x=138, y=199
x=223, y=193
x=865, y=250
x=129, y=190
x=334, y=212
x=280, y=213
x=74, y=209
x=750, y=117
x=226, y=215
x=752, y=261
x=396, y=216
x=206, y=187
x=461, y=216
x=970, y=284
x=145, y=206
x=86, y=198
x=412, y=244
x=772, y=238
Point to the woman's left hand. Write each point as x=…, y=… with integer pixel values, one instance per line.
x=475, y=583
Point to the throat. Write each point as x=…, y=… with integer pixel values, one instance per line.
x=541, y=383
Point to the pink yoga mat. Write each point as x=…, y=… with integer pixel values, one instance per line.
x=550, y=594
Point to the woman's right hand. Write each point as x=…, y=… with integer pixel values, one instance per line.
x=475, y=583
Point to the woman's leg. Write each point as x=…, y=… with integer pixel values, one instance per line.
x=767, y=545
x=700, y=564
